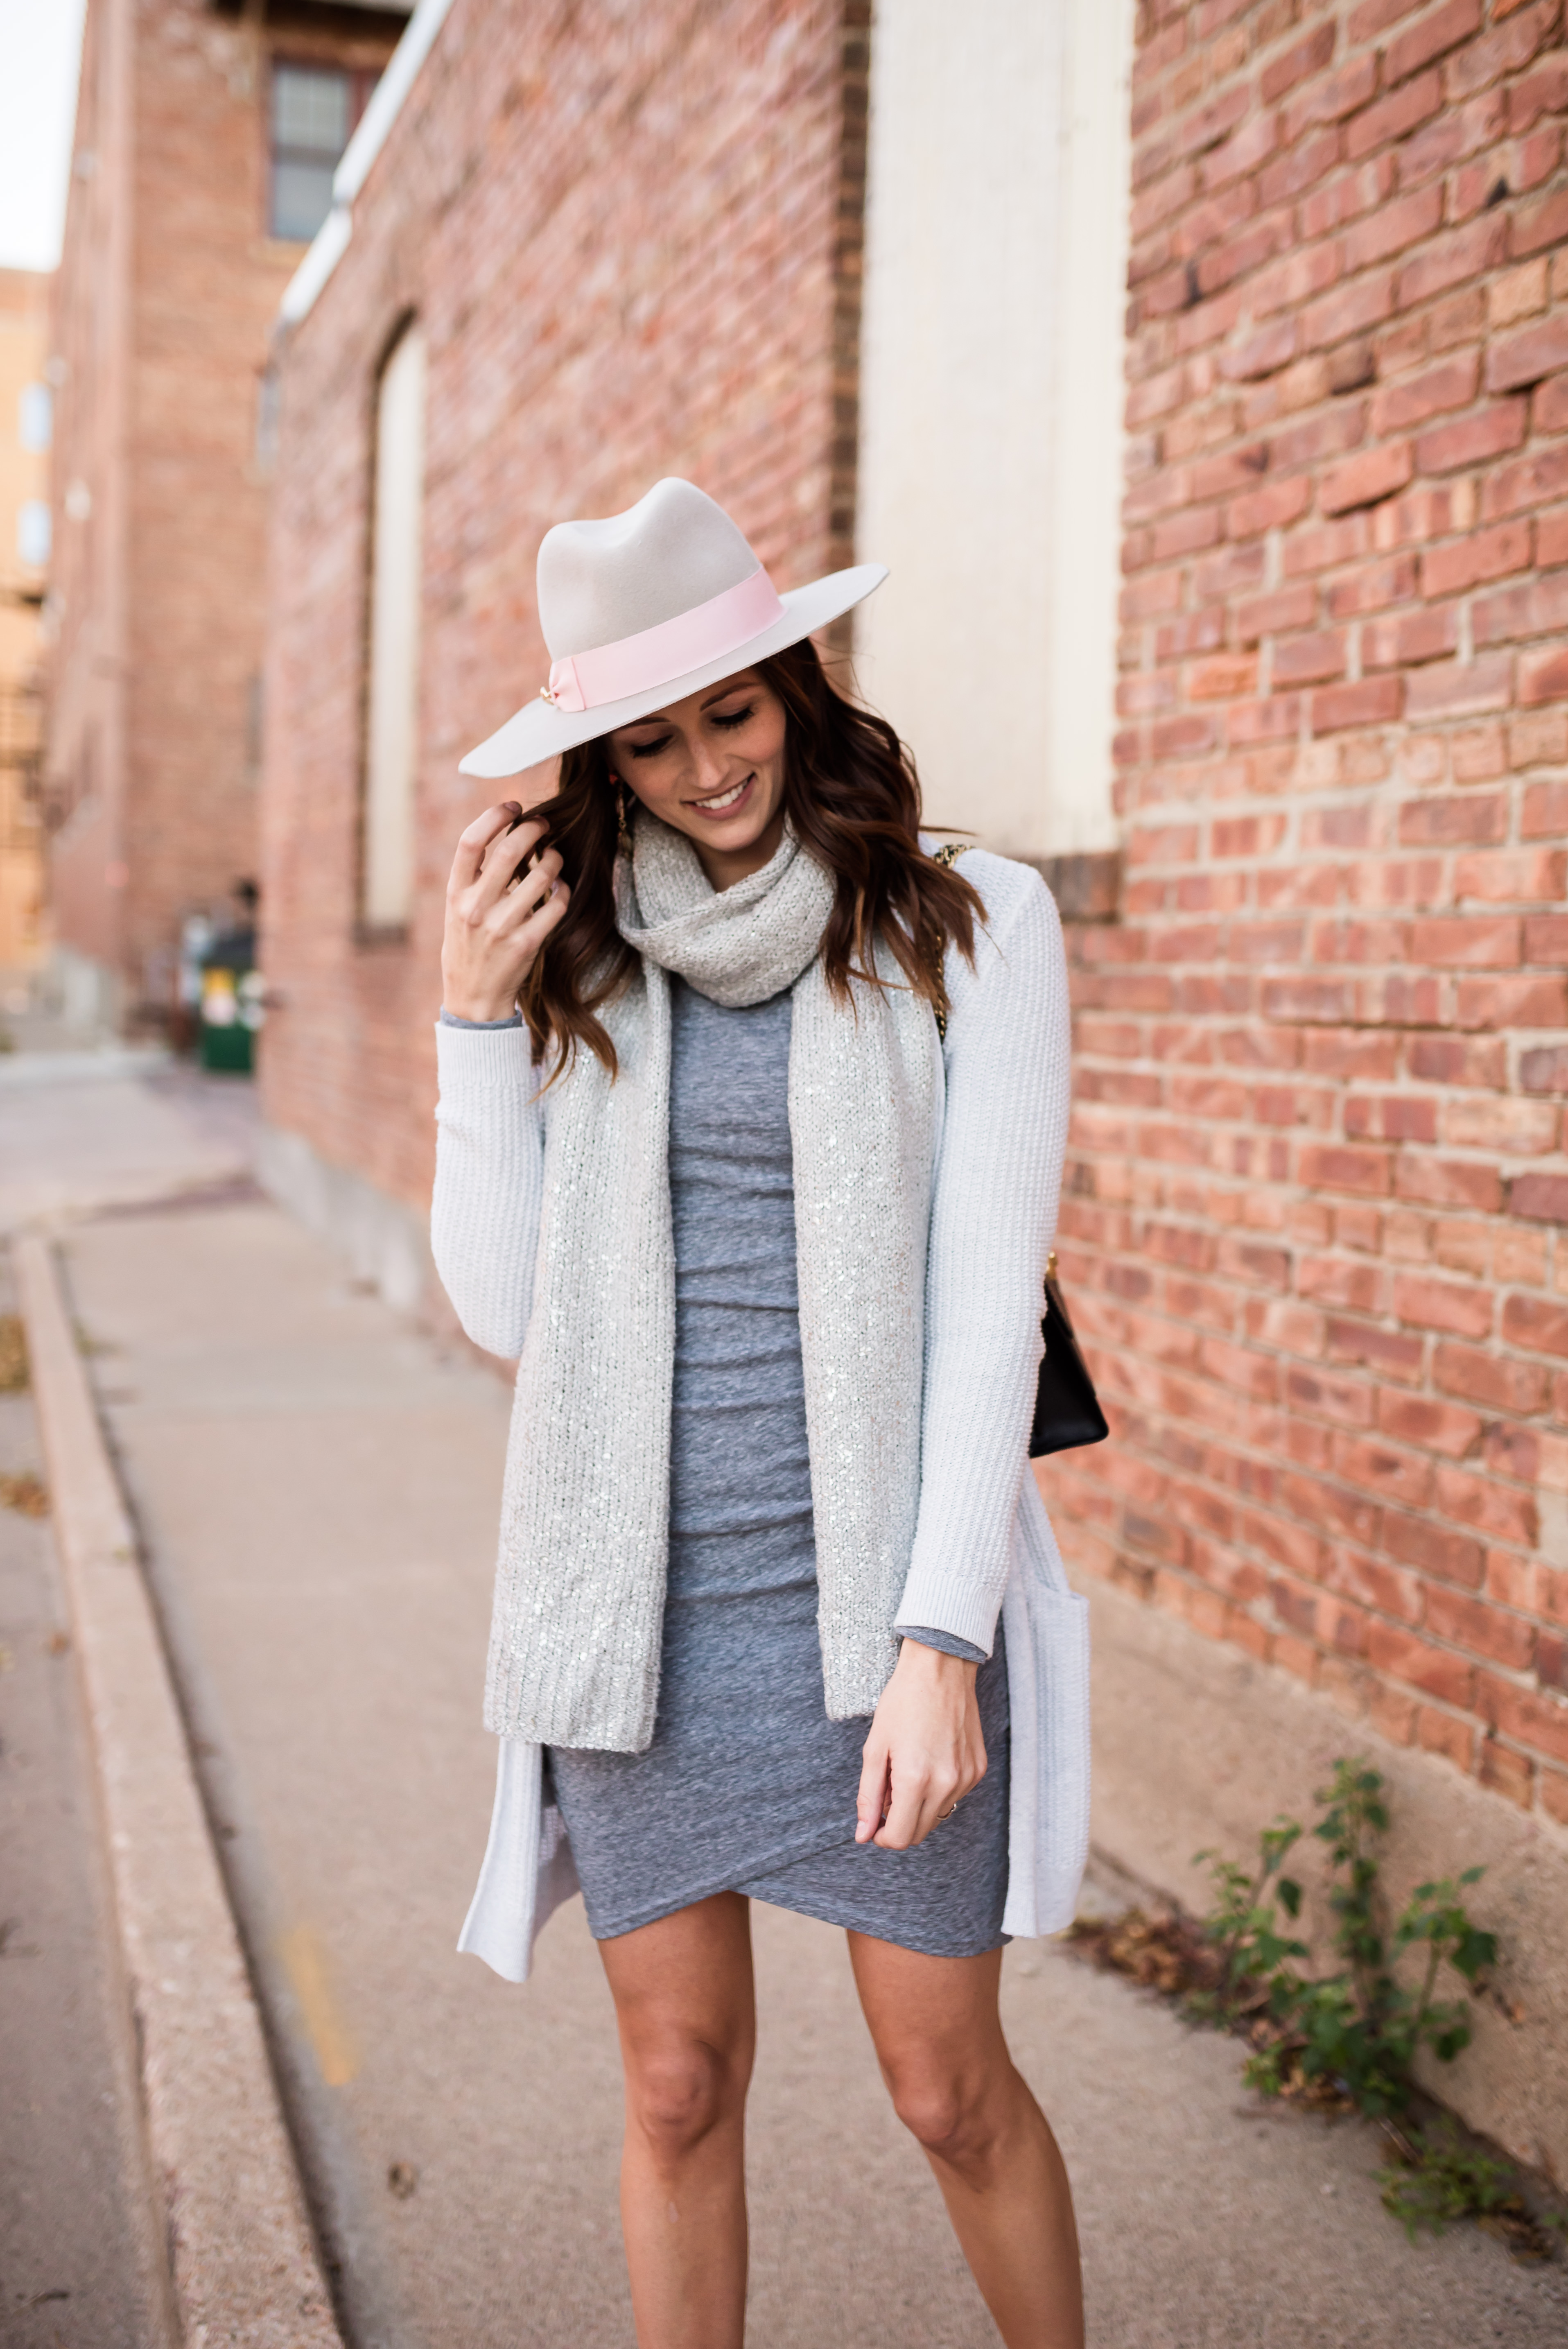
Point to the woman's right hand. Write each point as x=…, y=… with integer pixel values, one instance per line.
x=496, y=922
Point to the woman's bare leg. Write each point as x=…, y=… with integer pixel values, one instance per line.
x=686, y=2010
x=939, y=2041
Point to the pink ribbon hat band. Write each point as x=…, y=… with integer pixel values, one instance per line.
x=665, y=599
x=675, y=648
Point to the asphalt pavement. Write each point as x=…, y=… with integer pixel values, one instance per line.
x=316, y=1485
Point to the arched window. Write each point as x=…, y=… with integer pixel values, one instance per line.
x=392, y=699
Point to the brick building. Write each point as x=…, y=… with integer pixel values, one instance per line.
x=1320, y=964
x=641, y=280
x=205, y=139
x=24, y=555
x=611, y=246
x=1319, y=1180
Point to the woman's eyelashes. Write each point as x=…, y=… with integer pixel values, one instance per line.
x=726, y=722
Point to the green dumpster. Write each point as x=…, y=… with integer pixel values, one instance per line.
x=230, y=1015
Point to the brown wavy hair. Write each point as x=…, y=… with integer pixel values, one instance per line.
x=852, y=796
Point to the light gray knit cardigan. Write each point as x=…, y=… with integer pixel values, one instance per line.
x=979, y=1531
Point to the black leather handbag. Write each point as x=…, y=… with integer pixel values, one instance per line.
x=1067, y=1407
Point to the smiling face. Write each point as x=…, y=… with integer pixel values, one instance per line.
x=712, y=766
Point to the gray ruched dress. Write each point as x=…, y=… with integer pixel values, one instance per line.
x=747, y=1785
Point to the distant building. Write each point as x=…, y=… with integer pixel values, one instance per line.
x=206, y=139
x=1300, y=291
x=24, y=560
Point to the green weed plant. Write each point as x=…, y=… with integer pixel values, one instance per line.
x=1439, y=2178
x=1243, y=1923
x=1353, y=2034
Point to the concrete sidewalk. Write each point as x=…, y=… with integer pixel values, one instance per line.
x=318, y=1488
x=85, y=1129
x=80, y=2260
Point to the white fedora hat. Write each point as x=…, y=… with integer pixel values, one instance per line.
x=647, y=606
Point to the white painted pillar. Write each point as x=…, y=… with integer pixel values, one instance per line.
x=990, y=460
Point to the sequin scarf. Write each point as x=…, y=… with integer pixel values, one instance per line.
x=575, y=1642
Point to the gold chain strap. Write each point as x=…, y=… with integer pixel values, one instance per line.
x=948, y=853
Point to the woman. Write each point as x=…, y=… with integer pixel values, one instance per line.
x=750, y=1132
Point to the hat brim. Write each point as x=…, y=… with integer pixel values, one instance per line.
x=540, y=731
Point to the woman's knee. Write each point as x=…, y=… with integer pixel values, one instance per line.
x=679, y=2091
x=958, y=2115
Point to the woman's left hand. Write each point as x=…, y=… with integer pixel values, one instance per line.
x=925, y=1750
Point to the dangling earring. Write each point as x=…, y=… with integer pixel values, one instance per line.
x=622, y=829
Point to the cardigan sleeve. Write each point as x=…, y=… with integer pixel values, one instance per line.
x=490, y=1173
x=994, y=1215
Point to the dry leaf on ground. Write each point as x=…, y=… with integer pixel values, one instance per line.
x=24, y=1493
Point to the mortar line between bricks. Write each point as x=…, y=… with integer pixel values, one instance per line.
x=214, y=2126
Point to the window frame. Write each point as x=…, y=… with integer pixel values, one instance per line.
x=35, y=513
x=361, y=81
x=36, y=417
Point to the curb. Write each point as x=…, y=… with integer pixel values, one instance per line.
x=243, y=2262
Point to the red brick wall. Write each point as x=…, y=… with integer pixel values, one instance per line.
x=168, y=286
x=24, y=477
x=1314, y=1214
x=84, y=754
x=632, y=239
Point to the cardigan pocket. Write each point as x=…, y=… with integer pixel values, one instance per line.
x=1048, y=1690
x=528, y=1868
x=1062, y=1754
